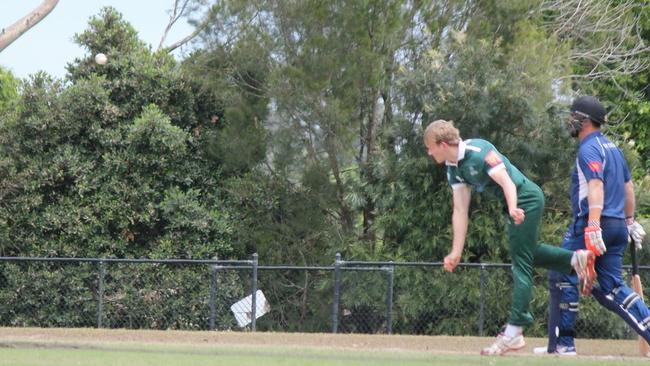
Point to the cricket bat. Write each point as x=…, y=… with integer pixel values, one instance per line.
x=644, y=348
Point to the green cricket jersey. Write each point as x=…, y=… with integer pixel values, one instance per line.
x=476, y=159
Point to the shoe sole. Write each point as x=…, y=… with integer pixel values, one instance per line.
x=543, y=351
x=514, y=349
x=510, y=349
x=540, y=351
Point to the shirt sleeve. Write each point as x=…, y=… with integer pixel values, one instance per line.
x=591, y=163
x=453, y=179
x=493, y=161
x=627, y=176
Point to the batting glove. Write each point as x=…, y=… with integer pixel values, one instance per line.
x=594, y=239
x=636, y=231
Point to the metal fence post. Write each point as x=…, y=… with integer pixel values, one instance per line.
x=213, y=295
x=389, y=300
x=100, y=293
x=337, y=293
x=481, y=314
x=254, y=296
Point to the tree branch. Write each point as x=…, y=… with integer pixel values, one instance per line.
x=14, y=31
x=177, y=14
x=604, y=36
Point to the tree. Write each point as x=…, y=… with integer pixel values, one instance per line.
x=8, y=90
x=629, y=113
x=349, y=86
x=110, y=163
x=338, y=115
x=604, y=36
x=14, y=31
x=331, y=70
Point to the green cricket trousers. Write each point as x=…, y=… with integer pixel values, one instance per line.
x=526, y=253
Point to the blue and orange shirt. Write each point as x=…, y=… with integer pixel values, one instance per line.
x=599, y=158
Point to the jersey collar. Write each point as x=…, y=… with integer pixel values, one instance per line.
x=461, y=154
x=591, y=136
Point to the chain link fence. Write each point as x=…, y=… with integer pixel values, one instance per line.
x=347, y=297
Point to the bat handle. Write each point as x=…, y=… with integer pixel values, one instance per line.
x=635, y=259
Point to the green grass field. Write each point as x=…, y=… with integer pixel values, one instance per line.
x=156, y=355
x=106, y=347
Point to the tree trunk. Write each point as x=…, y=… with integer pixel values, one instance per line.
x=372, y=149
x=14, y=31
x=346, y=213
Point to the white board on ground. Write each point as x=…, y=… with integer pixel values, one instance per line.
x=243, y=308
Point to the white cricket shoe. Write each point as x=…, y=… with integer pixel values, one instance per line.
x=561, y=350
x=504, y=344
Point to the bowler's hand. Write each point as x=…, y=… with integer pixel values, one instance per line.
x=451, y=261
x=517, y=215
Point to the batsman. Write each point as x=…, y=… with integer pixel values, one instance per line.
x=477, y=164
x=603, y=205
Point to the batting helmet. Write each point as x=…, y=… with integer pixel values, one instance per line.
x=591, y=108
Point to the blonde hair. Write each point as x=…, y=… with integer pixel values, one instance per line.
x=442, y=131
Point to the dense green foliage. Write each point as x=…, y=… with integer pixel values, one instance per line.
x=294, y=130
x=8, y=90
x=111, y=163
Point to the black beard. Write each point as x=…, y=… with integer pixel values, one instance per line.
x=574, y=128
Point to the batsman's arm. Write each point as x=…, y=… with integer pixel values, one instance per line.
x=595, y=198
x=593, y=233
